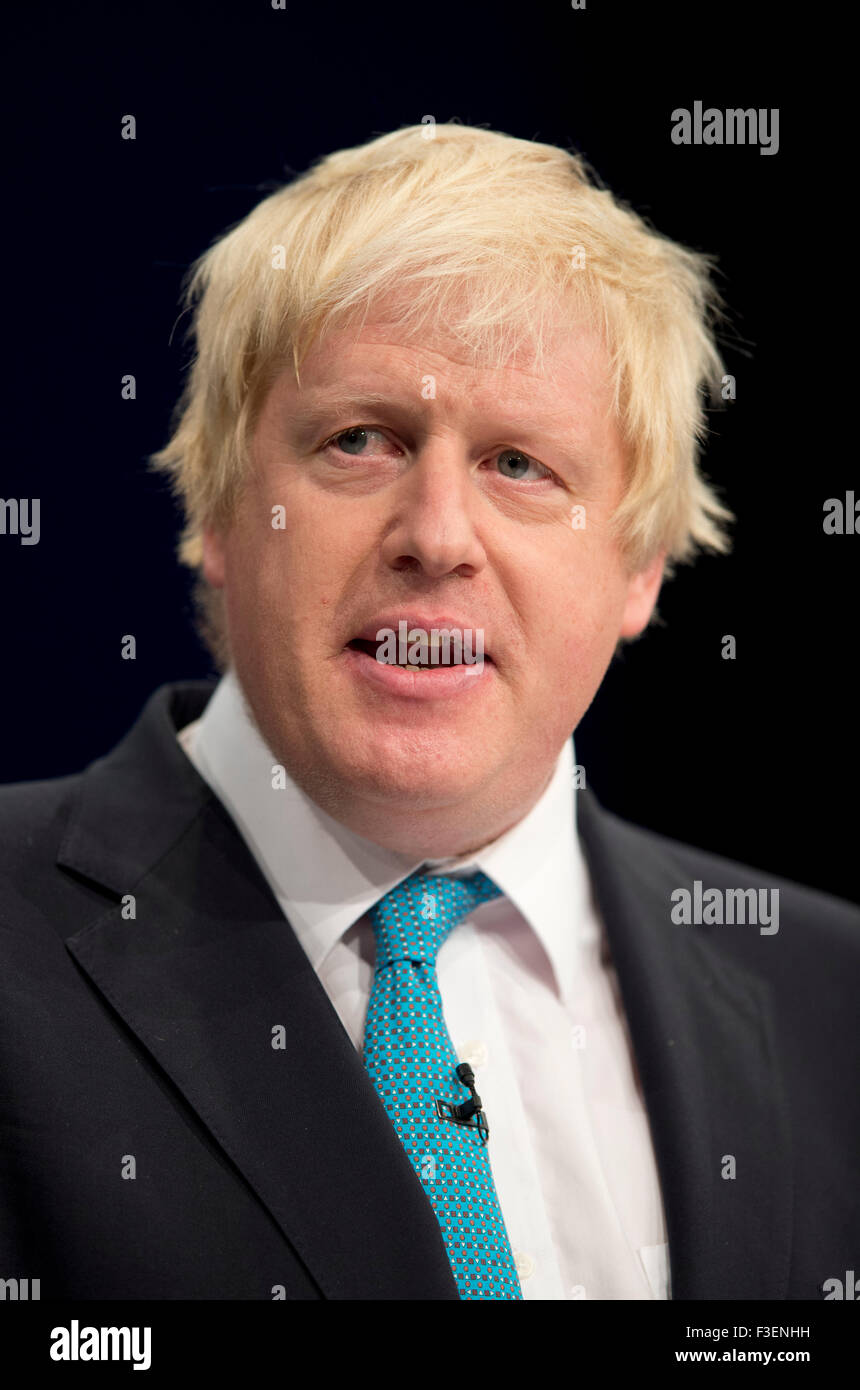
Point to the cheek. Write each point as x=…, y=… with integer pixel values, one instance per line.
x=258, y=589
x=304, y=537
x=264, y=555
x=578, y=603
x=280, y=579
x=576, y=624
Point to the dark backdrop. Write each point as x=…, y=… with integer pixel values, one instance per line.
x=752, y=758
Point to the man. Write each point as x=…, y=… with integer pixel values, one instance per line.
x=337, y=982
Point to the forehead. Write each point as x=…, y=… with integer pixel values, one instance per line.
x=434, y=364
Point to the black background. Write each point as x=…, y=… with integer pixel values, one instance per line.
x=752, y=758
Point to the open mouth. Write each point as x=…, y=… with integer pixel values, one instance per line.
x=434, y=654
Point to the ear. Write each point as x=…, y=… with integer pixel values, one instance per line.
x=642, y=592
x=213, y=558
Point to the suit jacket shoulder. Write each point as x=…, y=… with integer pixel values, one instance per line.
x=144, y=962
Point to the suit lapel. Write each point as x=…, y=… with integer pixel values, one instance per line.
x=206, y=975
x=703, y=1039
x=208, y=972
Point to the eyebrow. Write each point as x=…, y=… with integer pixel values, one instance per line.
x=316, y=407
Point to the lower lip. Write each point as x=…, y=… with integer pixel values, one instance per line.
x=431, y=683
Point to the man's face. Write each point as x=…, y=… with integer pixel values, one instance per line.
x=414, y=487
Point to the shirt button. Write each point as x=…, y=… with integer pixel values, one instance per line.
x=524, y=1263
x=475, y=1053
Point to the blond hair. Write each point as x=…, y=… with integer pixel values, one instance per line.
x=492, y=236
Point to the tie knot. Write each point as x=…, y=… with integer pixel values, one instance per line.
x=412, y=921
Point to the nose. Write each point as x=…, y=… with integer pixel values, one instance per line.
x=434, y=518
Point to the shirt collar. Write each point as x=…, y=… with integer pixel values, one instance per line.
x=325, y=876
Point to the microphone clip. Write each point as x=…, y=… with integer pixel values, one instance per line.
x=470, y=1113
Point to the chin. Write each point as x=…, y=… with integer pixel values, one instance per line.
x=420, y=771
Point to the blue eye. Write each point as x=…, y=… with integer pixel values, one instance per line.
x=519, y=464
x=353, y=440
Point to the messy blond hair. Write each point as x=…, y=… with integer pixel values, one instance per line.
x=490, y=235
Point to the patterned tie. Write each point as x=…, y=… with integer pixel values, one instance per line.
x=411, y=1061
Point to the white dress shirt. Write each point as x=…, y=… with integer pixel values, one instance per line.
x=529, y=995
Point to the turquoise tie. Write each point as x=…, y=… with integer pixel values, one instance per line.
x=412, y=1063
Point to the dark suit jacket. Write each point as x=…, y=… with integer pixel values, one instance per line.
x=257, y=1168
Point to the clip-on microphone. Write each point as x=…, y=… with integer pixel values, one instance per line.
x=464, y=1113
